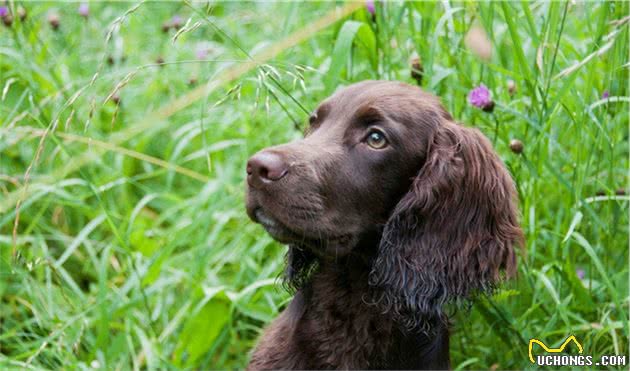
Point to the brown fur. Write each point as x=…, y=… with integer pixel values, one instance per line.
x=380, y=240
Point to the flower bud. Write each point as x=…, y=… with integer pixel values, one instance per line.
x=511, y=86
x=488, y=107
x=8, y=20
x=5, y=15
x=370, y=7
x=516, y=146
x=22, y=14
x=417, y=71
x=478, y=42
x=54, y=21
x=580, y=273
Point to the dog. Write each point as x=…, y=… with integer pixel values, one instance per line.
x=391, y=211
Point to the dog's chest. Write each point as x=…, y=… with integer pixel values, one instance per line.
x=339, y=326
x=331, y=325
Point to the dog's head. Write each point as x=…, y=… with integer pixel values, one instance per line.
x=384, y=160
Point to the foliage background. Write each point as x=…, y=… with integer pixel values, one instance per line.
x=132, y=248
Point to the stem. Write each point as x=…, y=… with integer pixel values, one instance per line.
x=496, y=129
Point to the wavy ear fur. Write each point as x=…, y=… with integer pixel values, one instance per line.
x=452, y=234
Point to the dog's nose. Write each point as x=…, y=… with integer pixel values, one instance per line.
x=265, y=167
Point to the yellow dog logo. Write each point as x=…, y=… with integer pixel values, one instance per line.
x=553, y=350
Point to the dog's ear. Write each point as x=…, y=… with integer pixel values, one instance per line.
x=454, y=231
x=300, y=264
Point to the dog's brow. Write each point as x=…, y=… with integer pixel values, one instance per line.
x=319, y=114
x=368, y=113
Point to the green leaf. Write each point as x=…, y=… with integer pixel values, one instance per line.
x=577, y=218
x=599, y=266
x=201, y=330
x=351, y=32
x=581, y=294
x=518, y=49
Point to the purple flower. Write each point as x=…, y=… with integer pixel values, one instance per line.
x=605, y=94
x=4, y=11
x=84, y=10
x=202, y=53
x=176, y=21
x=480, y=98
x=580, y=273
x=369, y=5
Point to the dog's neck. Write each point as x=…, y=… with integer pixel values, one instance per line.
x=303, y=262
x=360, y=253
x=349, y=275
x=337, y=297
x=343, y=278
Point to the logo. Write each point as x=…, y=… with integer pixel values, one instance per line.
x=571, y=360
x=553, y=350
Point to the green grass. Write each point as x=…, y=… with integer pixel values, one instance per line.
x=132, y=248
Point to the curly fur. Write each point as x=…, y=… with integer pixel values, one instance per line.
x=452, y=234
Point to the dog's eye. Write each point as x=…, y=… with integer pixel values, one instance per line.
x=376, y=139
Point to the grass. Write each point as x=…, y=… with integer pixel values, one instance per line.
x=123, y=237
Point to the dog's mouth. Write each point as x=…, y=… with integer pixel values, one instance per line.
x=281, y=233
x=275, y=228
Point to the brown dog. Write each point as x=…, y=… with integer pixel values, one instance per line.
x=391, y=210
